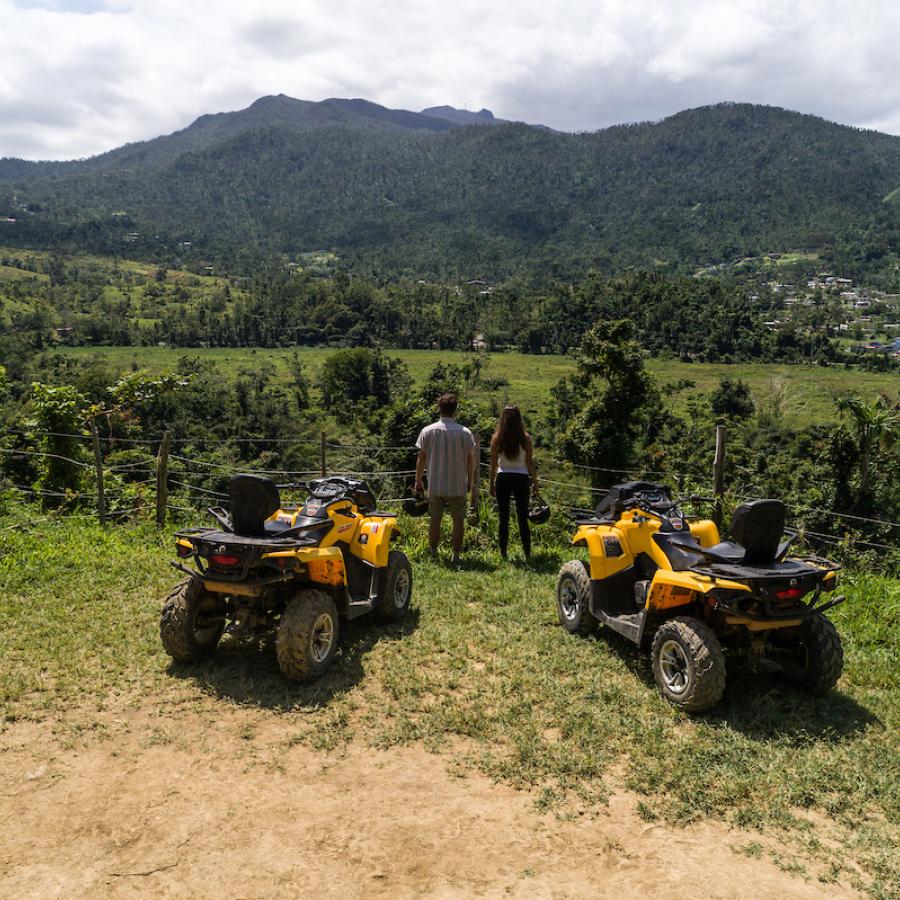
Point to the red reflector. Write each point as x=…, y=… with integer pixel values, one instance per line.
x=789, y=594
x=183, y=551
x=222, y=559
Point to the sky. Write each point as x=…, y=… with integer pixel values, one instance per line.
x=78, y=77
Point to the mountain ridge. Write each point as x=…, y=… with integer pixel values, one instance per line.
x=419, y=193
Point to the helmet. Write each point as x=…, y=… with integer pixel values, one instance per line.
x=539, y=513
x=416, y=506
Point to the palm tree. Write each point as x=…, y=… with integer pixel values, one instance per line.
x=875, y=426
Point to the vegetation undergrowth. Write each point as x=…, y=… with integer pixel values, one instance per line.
x=482, y=668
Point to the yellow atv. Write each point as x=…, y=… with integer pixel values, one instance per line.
x=298, y=570
x=669, y=585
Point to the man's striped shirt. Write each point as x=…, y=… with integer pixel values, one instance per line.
x=446, y=444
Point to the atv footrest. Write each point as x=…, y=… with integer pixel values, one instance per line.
x=629, y=626
x=359, y=608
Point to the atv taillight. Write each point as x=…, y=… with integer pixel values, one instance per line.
x=183, y=551
x=224, y=559
x=789, y=593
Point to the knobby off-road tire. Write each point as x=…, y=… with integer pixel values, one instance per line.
x=396, y=590
x=307, y=636
x=573, y=591
x=821, y=659
x=191, y=622
x=688, y=664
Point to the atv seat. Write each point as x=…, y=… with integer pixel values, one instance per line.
x=757, y=528
x=727, y=550
x=253, y=499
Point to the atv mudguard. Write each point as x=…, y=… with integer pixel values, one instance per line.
x=672, y=589
x=607, y=548
x=372, y=541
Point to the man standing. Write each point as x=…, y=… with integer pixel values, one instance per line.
x=447, y=450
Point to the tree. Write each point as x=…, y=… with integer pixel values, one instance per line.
x=602, y=409
x=359, y=377
x=732, y=399
x=59, y=414
x=299, y=381
x=874, y=427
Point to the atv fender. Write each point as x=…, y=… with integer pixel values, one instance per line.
x=705, y=532
x=325, y=565
x=372, y=542
x=673, y=589
x=607, y=547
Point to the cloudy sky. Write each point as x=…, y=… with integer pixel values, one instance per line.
x=78, y=77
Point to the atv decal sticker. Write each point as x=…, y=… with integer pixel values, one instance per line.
x=344, y=528
x=677, y=524
x=612, y=547
x=375, y=527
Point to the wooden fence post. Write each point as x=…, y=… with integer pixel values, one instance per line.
x=162, y=479
x=476, y=486
x=322, y=456
x=719, y=474
x=98, y=465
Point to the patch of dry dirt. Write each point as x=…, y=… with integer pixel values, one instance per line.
x=218, y=803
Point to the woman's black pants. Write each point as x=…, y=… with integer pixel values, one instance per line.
x=513, y=484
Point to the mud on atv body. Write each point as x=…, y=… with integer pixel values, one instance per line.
x=669, y=585
x=298, y=570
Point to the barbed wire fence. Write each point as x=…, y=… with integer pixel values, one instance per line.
x=126, y=479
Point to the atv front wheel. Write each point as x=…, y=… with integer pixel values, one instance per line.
x=573, y=591
x=307, y=636
x=688, y=664
x=811, y=655
x=396, y=590
x=191, y=622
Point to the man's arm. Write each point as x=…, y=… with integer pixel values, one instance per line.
x=471, y=462
x=421, y=459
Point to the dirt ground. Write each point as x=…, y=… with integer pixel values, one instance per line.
x=219, y=803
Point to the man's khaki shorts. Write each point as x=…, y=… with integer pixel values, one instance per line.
x=456, y=505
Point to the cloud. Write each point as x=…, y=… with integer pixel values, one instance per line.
x=82, y=76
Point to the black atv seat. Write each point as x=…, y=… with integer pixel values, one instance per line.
x=252, y=499
x=757, y=528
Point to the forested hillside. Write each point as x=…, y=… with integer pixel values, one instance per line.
x=413, y=194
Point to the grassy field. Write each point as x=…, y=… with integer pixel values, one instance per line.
x=482, y=670
x=809, y=390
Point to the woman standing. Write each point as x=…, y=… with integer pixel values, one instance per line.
x=512, y=473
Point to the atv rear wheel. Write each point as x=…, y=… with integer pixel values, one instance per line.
x=307, y=636
x=688, y=664
x=396, y=589
x=191, y=622
x=573, y=591
x=811, y=655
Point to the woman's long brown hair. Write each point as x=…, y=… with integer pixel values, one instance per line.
x=509, y=437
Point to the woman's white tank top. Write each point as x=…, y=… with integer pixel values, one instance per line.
x=516, y=465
